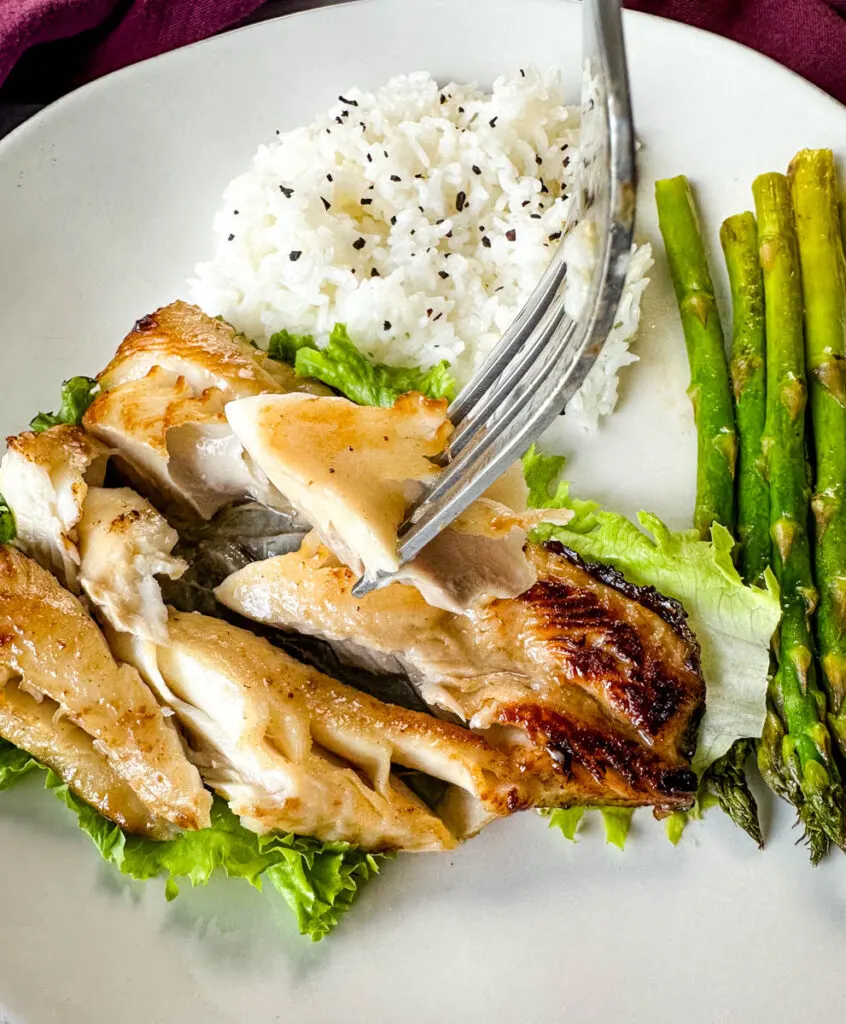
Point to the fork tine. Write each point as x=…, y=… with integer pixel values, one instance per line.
x=512, y=341
x=544, y=357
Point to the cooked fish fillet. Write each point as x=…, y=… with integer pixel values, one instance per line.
x=292, y=749
x=161, y=407
x=39, y=728
x=600, y=676
x=45, y=479
x=53, y=649
x=124, y=543
x=353, y=471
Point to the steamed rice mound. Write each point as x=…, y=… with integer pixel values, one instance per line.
x=420, y=216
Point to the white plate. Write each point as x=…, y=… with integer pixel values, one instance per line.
x=106, y=202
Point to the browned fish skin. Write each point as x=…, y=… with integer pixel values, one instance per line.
x=629, y=645
x=600, y=677
x=182, y=332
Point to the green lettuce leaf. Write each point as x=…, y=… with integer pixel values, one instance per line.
x=77, y=394
x=567, y=819
x=617, y=821
x=284, y=346
x=14, y=764
x=733, y=623
x=8, y=530
x=344, y=368
x=318, y=881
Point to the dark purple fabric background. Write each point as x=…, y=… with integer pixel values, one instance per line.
x=808, y=36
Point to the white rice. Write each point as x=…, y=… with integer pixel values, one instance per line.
x=419, y=216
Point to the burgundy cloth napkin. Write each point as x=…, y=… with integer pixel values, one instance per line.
x=808, y=36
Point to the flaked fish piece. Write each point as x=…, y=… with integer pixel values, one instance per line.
x=109, y=543
x=598, y=676
x=124, y=544
x=45, y=479
x=161, y=407
x=354, y=471
x=53, y=649
x=293, y=750
x=38, y=727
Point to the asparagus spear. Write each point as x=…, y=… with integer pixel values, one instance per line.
x=739, y=238
x=726, y=779
x=812, y=178
x=805, y=755
x=709, y=380
x=714, y=416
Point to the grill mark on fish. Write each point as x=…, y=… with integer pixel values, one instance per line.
x=572, y=622
x=573, y=743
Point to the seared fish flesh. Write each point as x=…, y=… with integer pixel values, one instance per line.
x=599, y=677
x=38, y=727
x=292, y=750
x=45, y=479
x=161, y=407
x=353, y=472
x=52, y=649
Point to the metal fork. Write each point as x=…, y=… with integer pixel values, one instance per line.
x=544, y=356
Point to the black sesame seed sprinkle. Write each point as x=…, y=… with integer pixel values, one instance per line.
x=443, y=275
x=286, y=192
x=443, y=99
x=230, y=238
x=393, y=221
x=236, y=212
x=339, y=120
x=460, y=200
x=476, y=169
x=345, y=113
x=349, y=103
x=359, y=243
x=375, y=273
x=511, y=235
x=493, y=122
x=522, y=73
x=329, y=177
x=294, y=255
x=535, y=216
x=326, y=204
x=395, y=177
x=386, y=326
x=544, y=189
x=438, y=317
x=369, y=159
x=486, y=242
x=554, y=236
x=538, y=159
x=461, y=110
x=366, y=201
